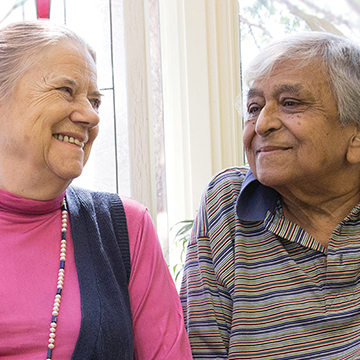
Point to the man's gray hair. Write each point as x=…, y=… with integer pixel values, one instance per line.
x=22, y=41
x=339, y=56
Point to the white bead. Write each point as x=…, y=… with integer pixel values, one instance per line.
x=61, y=274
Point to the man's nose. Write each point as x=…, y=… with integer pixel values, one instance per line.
x=268, y=120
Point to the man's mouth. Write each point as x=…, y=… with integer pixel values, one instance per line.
x=266, y=149
x=69, y=139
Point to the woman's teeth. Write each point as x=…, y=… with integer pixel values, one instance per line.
x=69, y=139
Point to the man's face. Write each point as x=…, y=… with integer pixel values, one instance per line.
x=292, y=134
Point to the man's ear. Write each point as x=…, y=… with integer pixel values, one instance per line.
x=353, y=153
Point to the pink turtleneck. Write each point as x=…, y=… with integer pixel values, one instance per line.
x=29, y=263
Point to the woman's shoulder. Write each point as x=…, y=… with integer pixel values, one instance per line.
x=133, y=208
x=132, y=205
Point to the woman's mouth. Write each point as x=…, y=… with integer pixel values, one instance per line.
x=69, y=139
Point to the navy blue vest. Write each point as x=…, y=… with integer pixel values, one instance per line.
x=102, y=257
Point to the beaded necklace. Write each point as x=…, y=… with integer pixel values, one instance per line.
x=60, y=282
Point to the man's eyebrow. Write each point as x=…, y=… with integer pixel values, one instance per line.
x=279, y=89
x=288, y=88
x=253, y=92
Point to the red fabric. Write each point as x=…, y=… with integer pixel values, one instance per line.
x=43, y=9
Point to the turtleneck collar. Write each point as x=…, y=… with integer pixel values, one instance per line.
x=16, y=204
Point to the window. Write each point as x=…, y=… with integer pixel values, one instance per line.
x=262, y=21
x=171, y=74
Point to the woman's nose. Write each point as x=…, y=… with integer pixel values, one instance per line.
x=85, y=113
x=268, y=120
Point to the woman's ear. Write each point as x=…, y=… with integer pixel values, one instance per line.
x=353, y=153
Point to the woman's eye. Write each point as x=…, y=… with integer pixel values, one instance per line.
x=95, y=103
x=66, y=89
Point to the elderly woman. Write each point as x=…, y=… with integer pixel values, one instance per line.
x=82, y=273
x=273, y=263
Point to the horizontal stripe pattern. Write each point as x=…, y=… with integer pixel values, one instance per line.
x=268, y=290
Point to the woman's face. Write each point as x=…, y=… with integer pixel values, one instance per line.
x=50, y=120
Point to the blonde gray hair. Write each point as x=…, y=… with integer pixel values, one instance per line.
x=339, y=56
x=21, y=42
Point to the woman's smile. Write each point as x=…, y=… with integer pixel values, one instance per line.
x=69, y=139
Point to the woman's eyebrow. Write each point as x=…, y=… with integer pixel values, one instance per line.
x=75, y=85
x=69, y=82
x=96, y=93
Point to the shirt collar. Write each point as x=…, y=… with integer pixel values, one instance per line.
x=255, y=199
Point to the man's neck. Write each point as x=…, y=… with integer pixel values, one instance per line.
x=319, y=215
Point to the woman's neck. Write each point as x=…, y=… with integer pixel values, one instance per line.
x=33, y=188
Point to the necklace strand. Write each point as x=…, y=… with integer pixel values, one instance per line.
x=60, y=282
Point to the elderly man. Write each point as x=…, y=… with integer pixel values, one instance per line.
x=273, y=264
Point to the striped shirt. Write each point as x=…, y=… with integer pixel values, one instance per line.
x=257, y=286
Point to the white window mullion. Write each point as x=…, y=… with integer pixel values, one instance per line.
x=140, y=115
x=201, y=81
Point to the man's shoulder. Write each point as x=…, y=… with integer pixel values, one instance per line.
x=228, y=179
x=222, y=192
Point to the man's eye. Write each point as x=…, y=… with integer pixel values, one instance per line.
x=290, y=103
x=253, y=110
